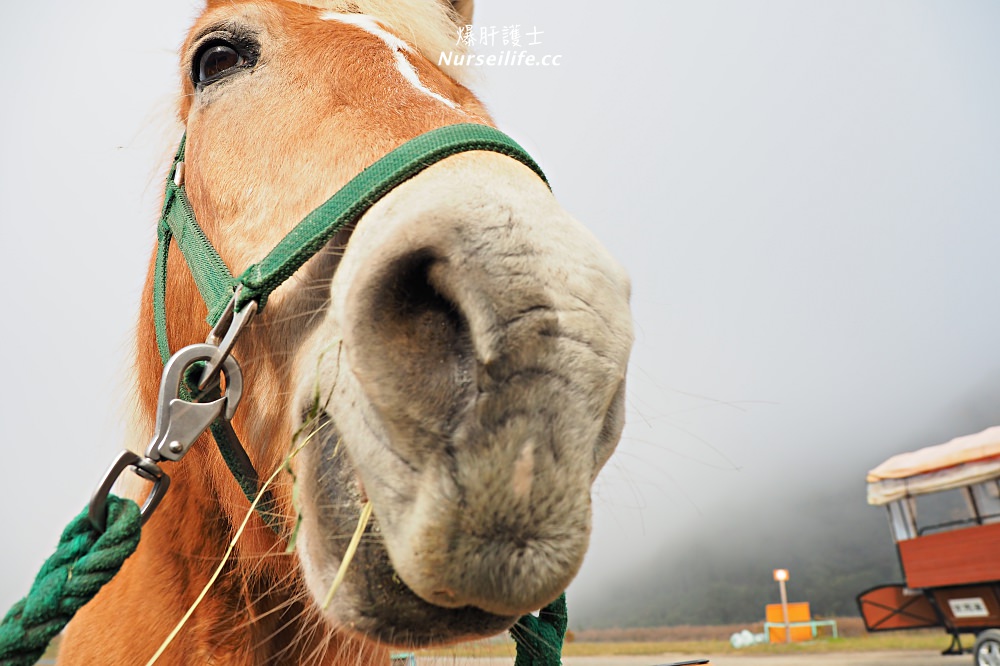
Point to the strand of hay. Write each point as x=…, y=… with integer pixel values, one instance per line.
x=229, y=551
x=366, y=514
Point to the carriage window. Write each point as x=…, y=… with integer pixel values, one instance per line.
x=943, y=511
x=987, y=497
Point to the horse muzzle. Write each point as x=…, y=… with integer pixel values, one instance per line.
x=484, y=345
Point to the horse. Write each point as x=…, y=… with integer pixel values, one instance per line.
x=455, y=359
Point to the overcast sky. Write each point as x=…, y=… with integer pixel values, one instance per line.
x=806, y=194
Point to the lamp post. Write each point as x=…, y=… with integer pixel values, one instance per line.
x=781, y=575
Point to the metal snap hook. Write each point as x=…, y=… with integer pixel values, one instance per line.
x=180, y=422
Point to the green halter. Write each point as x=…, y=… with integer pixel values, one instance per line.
x=217, y=285
x=539, y=639
x=97, y=542
x=213, y=278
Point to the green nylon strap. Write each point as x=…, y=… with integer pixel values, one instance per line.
x=239, y=464
x=211, y=275
x=232, y=451
x=163, y=237
x=213, y=278
x=84, y=561
x=353, y=200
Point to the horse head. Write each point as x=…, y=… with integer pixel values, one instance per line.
x=456, y=358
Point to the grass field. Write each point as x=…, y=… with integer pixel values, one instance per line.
x=697, y=641
x=713, y=640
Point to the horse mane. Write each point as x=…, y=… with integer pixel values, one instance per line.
x=431, y=27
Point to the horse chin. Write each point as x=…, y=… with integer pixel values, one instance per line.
x=373, y=600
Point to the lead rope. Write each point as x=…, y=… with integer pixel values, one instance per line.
x=540, y=639
x=83, y=562
x=86, y=559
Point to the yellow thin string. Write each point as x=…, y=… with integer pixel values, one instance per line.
x=366, y=514
x=229, y=552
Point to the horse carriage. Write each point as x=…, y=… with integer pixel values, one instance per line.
x=943, y=504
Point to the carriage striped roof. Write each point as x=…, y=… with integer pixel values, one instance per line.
x=960, y=462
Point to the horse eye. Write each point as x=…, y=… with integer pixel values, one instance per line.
x=216, y=62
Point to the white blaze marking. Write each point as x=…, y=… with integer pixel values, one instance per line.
x=398, y=47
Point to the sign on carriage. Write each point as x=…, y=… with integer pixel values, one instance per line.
x=970, y=607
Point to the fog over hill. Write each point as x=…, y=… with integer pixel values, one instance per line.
x=834, y=544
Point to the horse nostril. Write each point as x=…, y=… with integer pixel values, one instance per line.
x=410, y=346
x=410, y=304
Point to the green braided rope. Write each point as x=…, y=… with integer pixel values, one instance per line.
x=540, y=639
x=83, y=562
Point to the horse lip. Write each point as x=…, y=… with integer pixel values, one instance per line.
x=444, y=609
x=442, y=601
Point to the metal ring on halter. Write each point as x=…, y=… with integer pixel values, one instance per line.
x=223, y=335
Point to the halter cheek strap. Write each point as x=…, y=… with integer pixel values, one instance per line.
x=226, y=297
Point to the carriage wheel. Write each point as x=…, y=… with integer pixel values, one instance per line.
x=987, y=649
